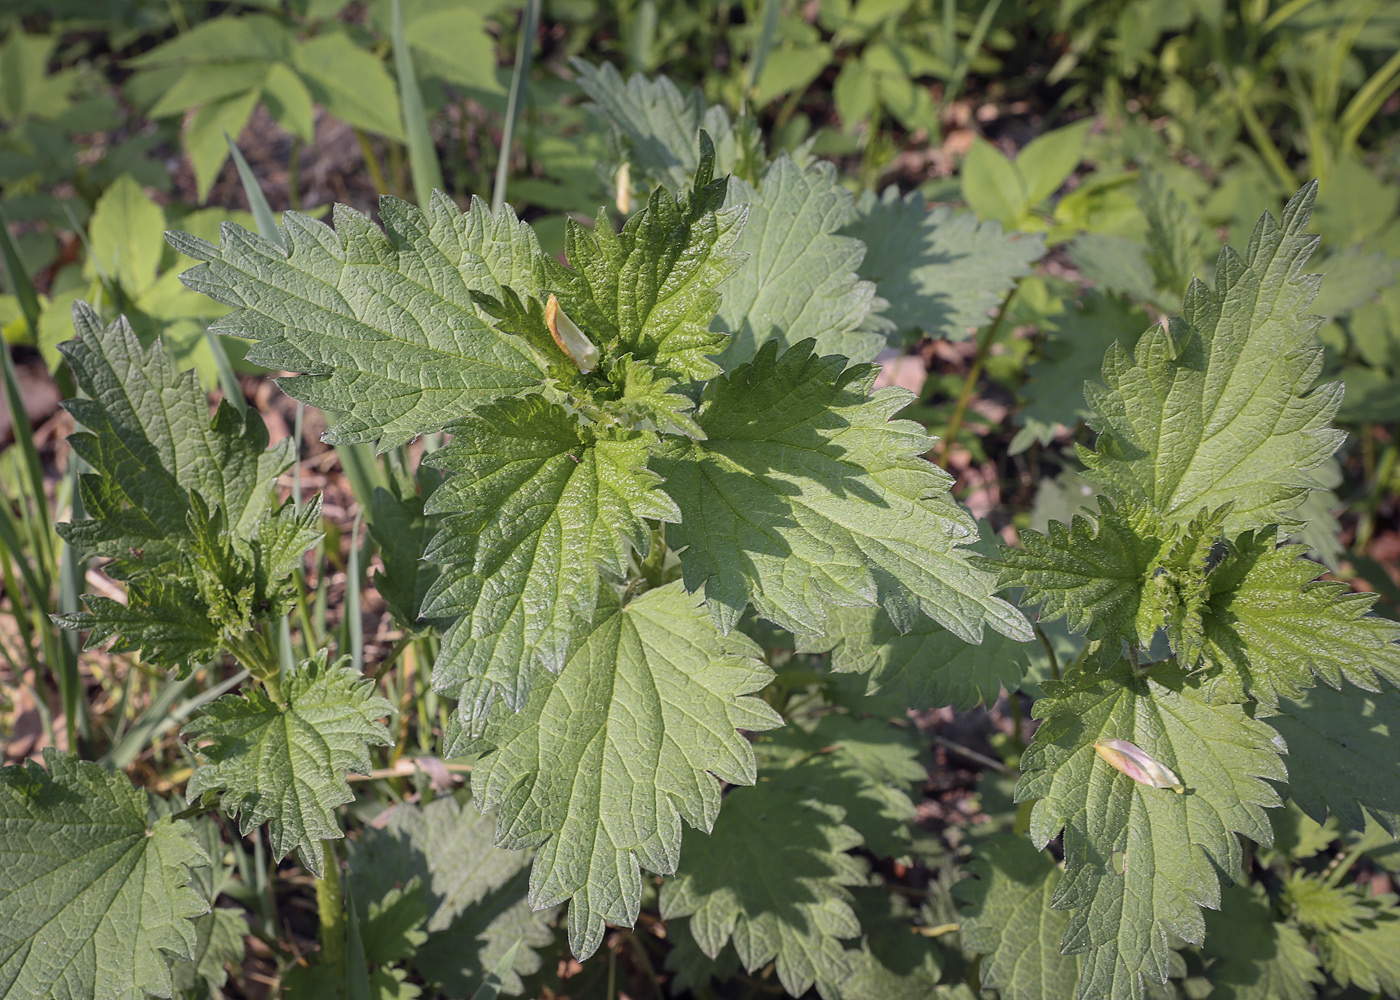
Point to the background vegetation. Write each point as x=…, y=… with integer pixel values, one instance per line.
x=1133, y=136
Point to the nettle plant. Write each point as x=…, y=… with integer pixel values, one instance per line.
x=659, y=451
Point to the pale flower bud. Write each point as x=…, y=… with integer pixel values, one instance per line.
x=571, y=340
x=1133, y=761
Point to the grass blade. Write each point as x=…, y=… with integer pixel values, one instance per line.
x=354, y=627
x=257, y=201
x=422, y=154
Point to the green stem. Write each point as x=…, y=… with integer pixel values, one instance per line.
x=524, y=52
x=255, y=652
x=970, y=754
x=1049, y=651
x=330, y=906
x=984, y=347
x=1383, y=473
x=376, y=173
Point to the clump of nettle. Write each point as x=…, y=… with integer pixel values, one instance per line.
x=655, y=449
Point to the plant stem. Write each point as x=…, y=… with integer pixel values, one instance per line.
x=524, y=52
x=984, y=347
x=1049, y=651
x=971, y=754
x=376, y=173
x=330, y=906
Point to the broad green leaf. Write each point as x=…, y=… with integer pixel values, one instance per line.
x=125, y=236
x=1074, y=352
x=649, y=290
x=1341, y=754
x=1176, y=240
x=993, y=187
x=894, y=962
x=926, y=667
x=165, y=619
x=382, y=323
x=1095, y=573
x=1255, y=956
x=790, y=69
x=151, y=443
x=205, y=136
x=870, y=767
x=94, y=892
x=853, y=93
x=539, y=503
x=449, y=40
x=940, y=271
x=402, y=532
x=472, y=892
x=1366, y=953
x=1271, y=621
x=1115, y=265
x=605, y=759
x=222, y=39
x=1141, y=861
x=219, y=943
x=289, y=102
x=1007, y=918
x=285, y=764
x=800, y=278
x=773, y=877
x=805, y=494
x=204, y=84
x=1215, y=408
x=27, y=88
x=351, y=82
x=658, y=126
x=1046, y=162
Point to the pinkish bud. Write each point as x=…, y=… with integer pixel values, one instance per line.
x=1133, y=761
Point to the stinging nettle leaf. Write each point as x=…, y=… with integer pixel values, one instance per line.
x=1341, y=754
x=925, y=667
x=1141, y=861
x=605, y=759
x=1007, y=917
x=772, y=877
x=800, y=279
x=1280, y=629
x=805, y=494
x=538, y=505
x=1255, y=956
x=381, y=322
x=649, y=290
x=95, y=897
x=657, y=125
x=1218, y=406
x=471, y=893
x=151, y=443
x=940, y=271
x=285, y=764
